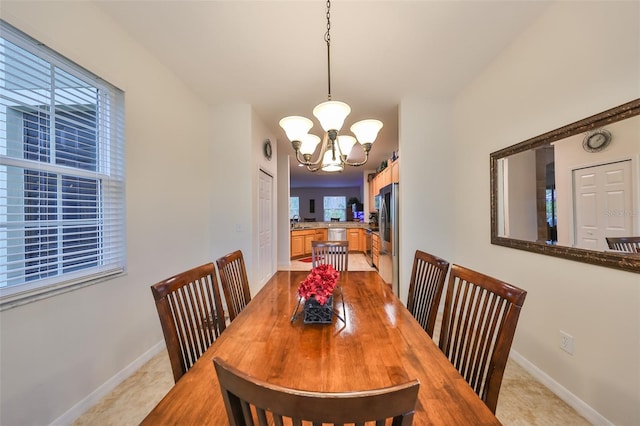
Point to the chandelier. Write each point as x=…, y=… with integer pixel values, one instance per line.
x=335, y=148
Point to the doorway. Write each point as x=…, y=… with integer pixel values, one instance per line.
x=265, y=227
x=603, y=200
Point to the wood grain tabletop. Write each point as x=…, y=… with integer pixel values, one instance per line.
x=380, y=344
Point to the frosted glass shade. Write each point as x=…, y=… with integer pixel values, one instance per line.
x=296, y=127
x=366, y=130
x=309, y=144
x=329, y=164
x=331, y=114
x=346, y=143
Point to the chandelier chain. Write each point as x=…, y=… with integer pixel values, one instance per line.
x=331, y=115
x=327, y=39
x=327, y=36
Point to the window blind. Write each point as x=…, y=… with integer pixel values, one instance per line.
x=335, y=207
x=62, y=177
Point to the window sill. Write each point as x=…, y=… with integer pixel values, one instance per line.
x=21, y=298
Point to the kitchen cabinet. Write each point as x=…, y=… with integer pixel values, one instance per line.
x=372, y=192
x=354, y=236
x=301, y=240
x=377, y=181
x=375, y=248
x=297, y=245
x=321, y=234
x=391, y=174
x=376, y=184
x=307, y=242
x=385, y=177
x=395, y=171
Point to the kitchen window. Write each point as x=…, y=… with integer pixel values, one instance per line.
x=62, y=221
x=335, y=207
x=294, y=207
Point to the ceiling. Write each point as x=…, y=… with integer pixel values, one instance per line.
x=272, y=55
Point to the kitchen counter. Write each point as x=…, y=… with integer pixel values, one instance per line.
x=303, y=234
x=317, y=225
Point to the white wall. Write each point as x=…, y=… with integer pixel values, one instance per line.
x=191, y=197
x=231, y=166
x=235, y=163
x=577, y=59
x=427, y=171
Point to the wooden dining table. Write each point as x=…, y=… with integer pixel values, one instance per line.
x=379, y=344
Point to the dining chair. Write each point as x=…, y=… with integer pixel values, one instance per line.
x=191, y=315
x=335, y=253
x=425, y=288
x=627, y=244
x=248, y=400
x=478, y=325
x=234, y=282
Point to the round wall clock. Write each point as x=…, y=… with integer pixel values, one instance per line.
x=267, y=149
x=596, y=141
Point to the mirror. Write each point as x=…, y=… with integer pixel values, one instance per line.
x=563, y=192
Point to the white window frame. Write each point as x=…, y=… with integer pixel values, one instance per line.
x=332, y=198
x=291, y=208
x=108, y=235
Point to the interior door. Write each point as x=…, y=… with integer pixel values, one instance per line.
x=265, y=227
x=603, y=197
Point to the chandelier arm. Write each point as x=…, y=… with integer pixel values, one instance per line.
x=303, y=161
x=343, y=158
x=308, y=162
x=359, y=163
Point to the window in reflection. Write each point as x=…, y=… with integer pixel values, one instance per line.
x=552, y=218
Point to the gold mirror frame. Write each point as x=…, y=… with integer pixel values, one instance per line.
x=602, y=258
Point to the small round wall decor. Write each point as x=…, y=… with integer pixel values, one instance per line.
x=596, y=141
x=267, y=149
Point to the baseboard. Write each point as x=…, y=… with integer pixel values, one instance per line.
x=561, y=392
x=103, y=390
x=284, y=266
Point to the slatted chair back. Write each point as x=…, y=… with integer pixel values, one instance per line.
x=191, y=315
x=478, y=325
x=425, y=288
x=234, y=282
x=626, y=244
x=251, y=401
x=335, y=253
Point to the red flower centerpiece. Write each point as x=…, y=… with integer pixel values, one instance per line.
x=319, y=284
x=317, y=292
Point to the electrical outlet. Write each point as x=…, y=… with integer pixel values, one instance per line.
x=566, y=342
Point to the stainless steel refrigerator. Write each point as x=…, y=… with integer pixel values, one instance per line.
x=389, y=249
